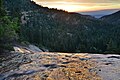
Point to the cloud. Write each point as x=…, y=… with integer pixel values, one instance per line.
x=80, y=5
x=50, y=0
x=81, y=1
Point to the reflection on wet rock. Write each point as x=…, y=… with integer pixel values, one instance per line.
x=48, y=66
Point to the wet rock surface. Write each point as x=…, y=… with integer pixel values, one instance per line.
x=59, y=66
x=108, y=66
x=48, y=66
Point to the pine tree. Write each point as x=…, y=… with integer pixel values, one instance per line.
x=8, y=28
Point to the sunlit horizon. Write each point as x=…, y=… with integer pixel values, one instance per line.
x=79, y=6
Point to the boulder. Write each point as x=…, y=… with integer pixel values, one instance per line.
x=34, y=48
x=17, y=49
x=29, y=49
x=21, y=50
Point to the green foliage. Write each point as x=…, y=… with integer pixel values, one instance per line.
x=25, y=43
x=8, y=29
x=2, y=11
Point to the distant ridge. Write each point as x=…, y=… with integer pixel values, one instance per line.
x=112, y=18
x=100, y=13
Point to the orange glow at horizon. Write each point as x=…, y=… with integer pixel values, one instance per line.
x=77, y=6
x=68, y=7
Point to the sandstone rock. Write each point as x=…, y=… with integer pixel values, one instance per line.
x=17, y=49
x=21, y=50
x=29, y=49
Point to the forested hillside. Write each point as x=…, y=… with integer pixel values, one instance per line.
x=113, y=18
x=8, y=29
x=58, y=30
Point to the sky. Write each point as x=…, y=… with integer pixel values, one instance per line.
x=80, y=5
